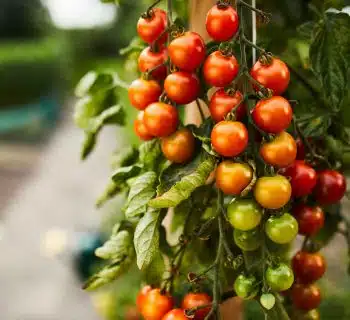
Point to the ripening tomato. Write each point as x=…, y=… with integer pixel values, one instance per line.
x=140, y=128
x=229, y=138
x=281, y=229
x=274, y=76
x=187, y=52
x=272, y=192
x=222, y=103
x=179, y=147
x=310, y=219
x=281, y=151
x=311, y=315
x=144, y=92
x=273, y=115
x=330, y=188
x=303, y=178
x=161, y=119
x=193, y=300
x=306, y=296
x=247, y=240
x=156, y=305
x=150, y=27
x=175, y=314
x=308, y=267
x=182, y=87
x=222, y=23
x=149, y=59
x=141, y=297
x=246, y=287
x=232, y=177
x=280, y=277
x=220, y=70
x=244, y=214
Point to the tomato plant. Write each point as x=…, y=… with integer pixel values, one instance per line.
x=247, y=240
x=141, y=296
x=246, y=287
x=306, y=296
x=310, y=219
x=195, y=300
x=140, y=127
x=152, y=25
x=282, y=229
x=279, y=277
x=156, y=305
x=153, y=60
x=244, y=214
x=176, y=314
x=142, y=93
x=308, y=267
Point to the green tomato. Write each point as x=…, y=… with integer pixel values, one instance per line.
x=279, y=278
x=247, y=240
x=244, y=214
x=282, y=229
x=246, y=287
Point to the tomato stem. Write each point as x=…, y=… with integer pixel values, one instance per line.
x=266, y=16
x=203, y=117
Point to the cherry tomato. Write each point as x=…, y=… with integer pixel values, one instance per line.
x=246, y=287
x=232, y=178
x=222, y=23
x=308, y=267
x=330, y=188
x=193, y=300
x=156, y=305
x=220, y=70
x=222, y=103
x=142, y=93
x=149, y=60
x=273, y=115
x=179, y=147
x=303, y=178
x=140, y=128
x=161, y=119
x=310, y=219
x=152, y=26
x=141, y=297
x=247, y=240
x=274, y=76
x=229, y=138
x=244, y=214
x=175, y=314
x=306, y=296
x=281, y=229
x=187, y=52
x=311, y=315
x=272, y=192
x=301, y=152
x=182, y=87
x=280, y=152
x=280, y=277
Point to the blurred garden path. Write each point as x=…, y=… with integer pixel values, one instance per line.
x=58, y=195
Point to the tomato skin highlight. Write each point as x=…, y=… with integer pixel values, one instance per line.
x=283, y=229
x=279, y=278
x=273, y=115
x=306, y=296
x=219, y=70
x=149, y=60
x=193, y=300
x=156, y=305
x=310, y=219
x=141, y=296
x=144, y=92
x=140, y=128
x=275, y=76
x=246, y=287
x=221, y=104
x=182, y=87
x=187, y=52
x=179, y=147
x=175, y=314
x=308, y=267
x=161, y=119
x=149, y=29
x=222, y=23
x=229, y=138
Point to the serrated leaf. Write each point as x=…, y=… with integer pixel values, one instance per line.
x=150, y=153
x=116, y=247
x=268, y=300
x=92, y=82
x=110, y=192
x=88, y=145
x=122, y=174
x=146, y=238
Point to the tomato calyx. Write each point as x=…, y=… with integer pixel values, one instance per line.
x=266, y=59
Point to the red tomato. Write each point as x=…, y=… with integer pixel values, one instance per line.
x=193, y=300
x=222, y=103
x=144, y=92
x=273, y=115
x=156, y=305
x=274, y=76
x=306, y=297
x=187, y=52
x=220, y=70
x=175, y=314
x=301, y=152
x=140, y=128
x=222, y=23
x=310, y=219
x=149, y=60
x=182, y=87
x=308, y=267
x=141, y=297
x=303, y=178
x=150, y=28
x=229, y=138
x=330, y=188
x=161, y=119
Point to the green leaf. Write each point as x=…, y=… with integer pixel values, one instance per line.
x=154, y=272
x=135, y=44
x=114, y=114
x=92, y=82
x=268, y=301
x=122, y=174
x=141, y=192
x=315, y=125
x=306, y=29
x=125, y=157
x=178, y=182
x=110, y=192
x=146, y=238
x=150, y=153
x=203, y=132
x=88, y=145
